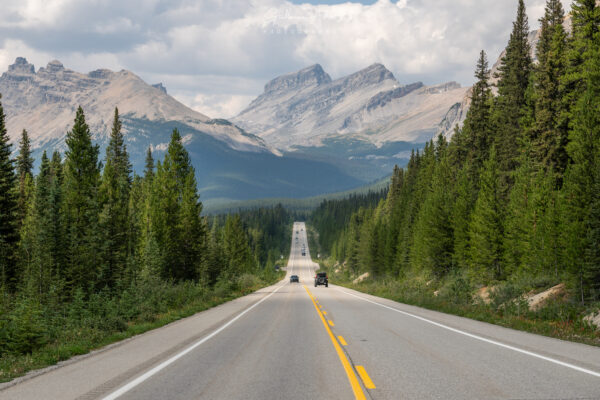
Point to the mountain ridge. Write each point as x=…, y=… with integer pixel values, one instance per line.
x=305, y=107
x=44, y=103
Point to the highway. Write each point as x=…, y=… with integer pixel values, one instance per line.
x=297, y=341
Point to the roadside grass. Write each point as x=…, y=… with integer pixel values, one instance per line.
x=560, y=318
x=85, y=325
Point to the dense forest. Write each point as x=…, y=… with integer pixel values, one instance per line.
x=88, y=248
x=514, y=195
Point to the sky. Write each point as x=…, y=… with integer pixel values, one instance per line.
x=216, y=55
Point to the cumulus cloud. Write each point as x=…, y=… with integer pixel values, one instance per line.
x=215, y=55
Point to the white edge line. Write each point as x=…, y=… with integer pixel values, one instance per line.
x=119, y=392
x=506, y=346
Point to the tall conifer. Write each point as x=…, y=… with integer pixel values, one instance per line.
x=81, y=181
x=8, y=210
x=114, y=199
x=514, y=74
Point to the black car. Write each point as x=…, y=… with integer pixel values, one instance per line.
x=294, y=278
x=321, y=279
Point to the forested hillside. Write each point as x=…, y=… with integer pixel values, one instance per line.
x=513, y=199
x=89, y=250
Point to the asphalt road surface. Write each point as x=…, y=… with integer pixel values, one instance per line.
x=297, y=341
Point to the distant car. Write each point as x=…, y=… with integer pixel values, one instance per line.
x=294, y=278
x=321, y=279
x=303, y=253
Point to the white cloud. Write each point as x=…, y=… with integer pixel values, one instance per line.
x=214, y=55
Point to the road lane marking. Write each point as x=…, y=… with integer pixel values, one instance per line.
x=124, y=389
x=365, y=377
x=324, y=312
x=342, y=341
x=330, y=322
x=354, y=383
x=477, y=337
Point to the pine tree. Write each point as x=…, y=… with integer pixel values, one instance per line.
x=464, y=202
x=114, y=215
x=477, y=128
x=433, y=243
x=57, y=224
x=81, y=181
x=236, y=248
x=149, y=169
x=8, y=211
x=585, y=22
x=519, y=223
x=175, y=213
x=24, y=168
x=37, y=238
x=549, y=139
x=485, y=230
x=514, y=74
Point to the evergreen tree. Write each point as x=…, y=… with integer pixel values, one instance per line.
x=236, y=248
x=8, y=211
x=549, y=139
x=114, y=215
x=149, y=169
x=514, y=73
x=175, y=213
x=57, y=225
x=81, y=181
x=477, y=128
x=464, y=202
x=37, y=239
x=433, y=243
x=520, y=219
x=485, y=230
x=585, y=22
x=24, y=168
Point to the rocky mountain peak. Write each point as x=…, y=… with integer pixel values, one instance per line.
x=100, y=73
x=310, y=76
x=160, y=87
x=55, y=66
x=373, y=74
x=22, y=66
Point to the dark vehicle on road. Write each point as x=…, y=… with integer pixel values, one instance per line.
x=321, y=279
x=294, y=278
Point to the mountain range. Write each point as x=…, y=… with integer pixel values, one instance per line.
x=307, y=108
x=229, y=163
x=305, y=135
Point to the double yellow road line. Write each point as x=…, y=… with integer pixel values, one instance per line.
x=354, y=382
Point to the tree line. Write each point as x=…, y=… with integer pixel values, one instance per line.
x=84, y=229
x=515, y=192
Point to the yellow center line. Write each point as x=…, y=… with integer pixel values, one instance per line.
x=358, y=392
x=324, y=312
x=330, y=322
x=342, y=341
x=365, y=377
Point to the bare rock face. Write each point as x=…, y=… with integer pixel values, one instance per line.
x=160, y=87
x=45, y=102
x=306, y=107
x=21, y=66
x=307, y=77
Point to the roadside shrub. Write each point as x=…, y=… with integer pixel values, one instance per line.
x=23, y=330
x=503, y=294
x=248, y=281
